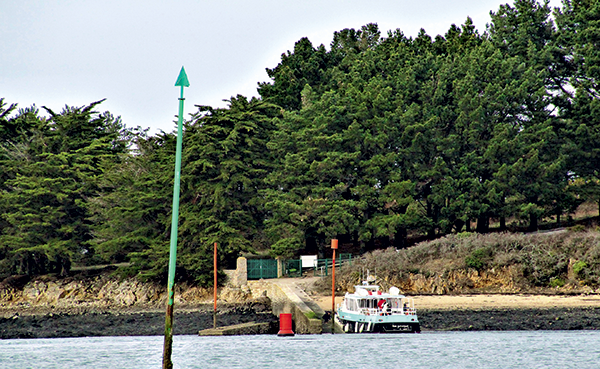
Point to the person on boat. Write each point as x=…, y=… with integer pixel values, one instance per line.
x=405, y=307
x=383, y=306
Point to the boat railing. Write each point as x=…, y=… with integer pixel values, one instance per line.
x=375, y=311
x=410, y=311
x=404, y=311
x=369, y=311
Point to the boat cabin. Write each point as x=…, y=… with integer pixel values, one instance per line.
x=366, y=289
x=369, y=300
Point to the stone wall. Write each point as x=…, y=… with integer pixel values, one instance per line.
x=238, y=277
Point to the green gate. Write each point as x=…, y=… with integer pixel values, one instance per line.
x=293, y=268
x=262, y=268
x=323, y=266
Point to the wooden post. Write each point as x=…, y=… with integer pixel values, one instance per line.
x=334, y=246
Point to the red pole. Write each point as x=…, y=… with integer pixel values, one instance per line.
x=215, y=291
x=334, y=246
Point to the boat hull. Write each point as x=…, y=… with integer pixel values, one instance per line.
x=356, y=323
x=358, y=327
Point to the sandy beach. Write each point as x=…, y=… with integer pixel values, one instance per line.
x=501, y=312
x=489, y=301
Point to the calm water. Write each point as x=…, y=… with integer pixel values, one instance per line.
x=522, y=349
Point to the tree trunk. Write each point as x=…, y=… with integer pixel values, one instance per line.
x=312, y=244
x=503, y=223
x=430, y=215
x=458, y=225
x=483, y=224
x=355, y=243
x=533, y=223
x=400, y=238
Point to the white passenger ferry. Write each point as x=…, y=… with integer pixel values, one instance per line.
x=368, y=310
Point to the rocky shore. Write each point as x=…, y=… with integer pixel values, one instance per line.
x=104, y=306
x=53, y=325
x=507, y=319
x=131, y=323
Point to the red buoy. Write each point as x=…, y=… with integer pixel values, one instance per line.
x=285, y=325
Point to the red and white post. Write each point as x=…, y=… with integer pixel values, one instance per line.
x=334, y=246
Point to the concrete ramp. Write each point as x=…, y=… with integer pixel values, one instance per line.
x=288, y=296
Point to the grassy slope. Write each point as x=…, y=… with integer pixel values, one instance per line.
x=566, y=261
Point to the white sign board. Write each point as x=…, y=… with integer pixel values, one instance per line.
x=308, y=261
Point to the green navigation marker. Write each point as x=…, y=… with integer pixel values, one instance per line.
x=182, y=81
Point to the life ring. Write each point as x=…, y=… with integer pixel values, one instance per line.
x=381, y=303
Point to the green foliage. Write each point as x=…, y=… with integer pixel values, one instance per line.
x=577, y=33
x=557, y=282
x=225, y=163
x=305, y=66
x=478, y=259
x=53, y=168
x=132, y=214
x=577, y=228
x=375, y=140
x=579, y=268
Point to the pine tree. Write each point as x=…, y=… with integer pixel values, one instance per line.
x=306, y=65
x=132, y=213
x=539, y=174
x=54, y=174
x=578, y=40
x=224, y=165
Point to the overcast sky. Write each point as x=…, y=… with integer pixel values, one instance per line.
x=74, y=52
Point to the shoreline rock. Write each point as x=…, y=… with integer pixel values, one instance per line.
x=509, y=319
x=105, y=306
x=127, y=323
x=137, y=323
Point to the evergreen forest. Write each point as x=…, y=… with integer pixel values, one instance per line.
x=378, y=140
